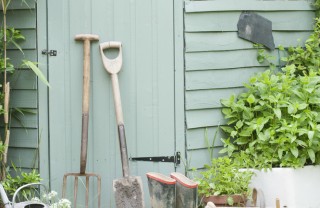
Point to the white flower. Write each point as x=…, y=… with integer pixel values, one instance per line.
x=35, y=199
x=54, y=205
x=64, y=203
x=52, y=194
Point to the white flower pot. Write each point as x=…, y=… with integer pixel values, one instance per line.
x=295, y=188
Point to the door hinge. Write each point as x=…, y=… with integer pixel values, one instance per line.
x=50, y=53
x=174, y=159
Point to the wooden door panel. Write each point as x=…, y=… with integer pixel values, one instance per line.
x=145, y=27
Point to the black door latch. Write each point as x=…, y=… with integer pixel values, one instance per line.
x=50, y=53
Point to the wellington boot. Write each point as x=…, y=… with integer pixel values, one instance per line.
x=161, y=190
x=186, y=191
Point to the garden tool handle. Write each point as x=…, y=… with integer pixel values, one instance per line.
x=86, y=38
x=113, y=66
x=120, y=122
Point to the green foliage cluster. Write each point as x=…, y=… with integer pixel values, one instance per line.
x=306, y=58
x=276, y=122
x=10, y=38
x=224, y=177
x=13, y=37
x=11, y=184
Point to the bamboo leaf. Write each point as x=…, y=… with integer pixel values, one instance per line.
x=37, y=71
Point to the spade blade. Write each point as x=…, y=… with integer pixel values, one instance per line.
x=256, y=29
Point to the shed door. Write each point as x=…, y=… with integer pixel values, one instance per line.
x=145, y=27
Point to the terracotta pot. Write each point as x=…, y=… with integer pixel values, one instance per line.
x=222, y=200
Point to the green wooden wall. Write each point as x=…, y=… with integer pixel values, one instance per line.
x=217, y=62
x=24, y=138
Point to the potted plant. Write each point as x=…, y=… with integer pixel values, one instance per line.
x=223, y=183
x=276, y=124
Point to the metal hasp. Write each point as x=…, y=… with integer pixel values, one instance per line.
x=174, y=159
x=256, y=29
x=50, y=53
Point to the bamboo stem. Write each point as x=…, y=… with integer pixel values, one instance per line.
x=6, y=104
x=4, y=8
x=5, y=89
x=5, y=155
x=6, y=144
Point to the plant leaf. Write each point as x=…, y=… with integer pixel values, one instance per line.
x=310, y=134
x=227, y=129
x=294, y=150
x=280, y=153
x=230, y=200
x=251, y=99
x=277, y=111
x=36, y=70
x=312, y=155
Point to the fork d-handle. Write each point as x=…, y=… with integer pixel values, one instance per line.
x=86, y=38
x=113, y=66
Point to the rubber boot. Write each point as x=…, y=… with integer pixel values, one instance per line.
x=162, y=190
x=186, y=191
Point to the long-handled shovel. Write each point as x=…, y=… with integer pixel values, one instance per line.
x=128, y=190
x=86, y=38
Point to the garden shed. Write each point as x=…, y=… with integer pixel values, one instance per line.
x=179, y=59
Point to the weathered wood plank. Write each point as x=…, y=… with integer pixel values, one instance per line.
x=202, y=99
x=23, y=79
x=198, y=158
x=219, y=41
x=19, y=4
x=227, y=21
x=225, y=59
x=247, y=5
x=27, y=120
x=29, y=19
x=24, y=99
x=29, y=42
x=204, y=137
x=204, y=118
x=220, y=78
x=16, y=56
x=23, y=138
x=22, y=157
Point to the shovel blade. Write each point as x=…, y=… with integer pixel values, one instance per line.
x=128, y=192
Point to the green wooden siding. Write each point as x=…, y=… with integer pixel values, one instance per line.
x=217, y=62
x=24, y=142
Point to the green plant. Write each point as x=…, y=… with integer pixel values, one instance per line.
x=224, y=177
x=306, y=57
x=10, y=36
x=11, y=184
x=276, y=122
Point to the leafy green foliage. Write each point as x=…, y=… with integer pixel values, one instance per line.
x=13, y=37
x=11, y=184
x=276, y=122
x=224, y=177
x=306, y=58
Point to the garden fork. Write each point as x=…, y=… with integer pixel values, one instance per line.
x=86, y=38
